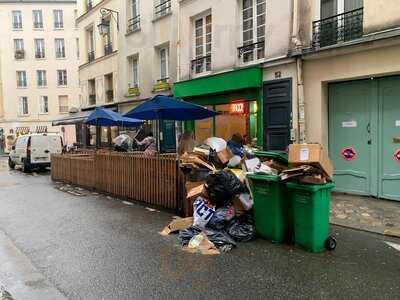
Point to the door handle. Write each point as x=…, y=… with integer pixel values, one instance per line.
x=369, y=128
x=46, y=151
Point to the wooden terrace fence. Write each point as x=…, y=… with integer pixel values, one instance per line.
x=154, y=180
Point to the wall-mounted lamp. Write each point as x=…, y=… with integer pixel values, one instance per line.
x=104, y=26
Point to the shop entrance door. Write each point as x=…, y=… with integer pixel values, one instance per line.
x=277, y=114
x=364, y=136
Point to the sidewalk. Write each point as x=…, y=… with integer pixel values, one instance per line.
x=366, y=213
x=20, y=278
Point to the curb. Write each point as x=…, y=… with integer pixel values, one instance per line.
x=388, y=232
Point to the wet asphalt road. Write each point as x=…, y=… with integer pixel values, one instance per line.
x=96, y=247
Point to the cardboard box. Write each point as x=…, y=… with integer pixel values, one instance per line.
x=311, y=154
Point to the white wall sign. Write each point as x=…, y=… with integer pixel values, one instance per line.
x=349, y=124
x=397, y=123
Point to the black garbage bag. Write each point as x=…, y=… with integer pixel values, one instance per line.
x=186, y=235
x=242, y=228
x=218, y=237
x=222, y=186
x=221, y=218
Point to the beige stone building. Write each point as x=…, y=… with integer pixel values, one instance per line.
x=233, y=57
x=349, y=52
x=147, y=59
x=98, y=71
x=39, y=59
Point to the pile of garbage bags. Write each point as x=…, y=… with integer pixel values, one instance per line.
x=215, y=213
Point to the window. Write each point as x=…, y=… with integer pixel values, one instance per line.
x=164, y=57
x=58, y=19
x=89, y=5
x=37, y=17
x=135, y=72
x=39, y=48
x=44, y=104
x=77, y=48
x=60, y=48
x=62, y=77
x=134, y=22
x=41, y=78
x=21, y=79
x=90, y=43
x=23, y=106
x=16, y=19
x=75, y=17
x=203, y=38
x=63, y=104
x=19, y=48
x=253, y=34
x=162, y=8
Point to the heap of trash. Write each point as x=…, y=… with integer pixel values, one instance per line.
x=219, y=204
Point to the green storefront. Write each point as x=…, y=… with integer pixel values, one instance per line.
x=236, y=94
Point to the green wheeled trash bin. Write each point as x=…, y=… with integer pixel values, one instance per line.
x=272, y=208
x=311, y=216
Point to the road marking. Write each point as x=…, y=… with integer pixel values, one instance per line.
x=393, y=245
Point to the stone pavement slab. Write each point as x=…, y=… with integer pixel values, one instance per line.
x=366, y=213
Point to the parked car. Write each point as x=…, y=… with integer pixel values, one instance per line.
x=34, y=150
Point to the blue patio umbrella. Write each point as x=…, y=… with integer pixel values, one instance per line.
x=169, y=108
x=106, y=117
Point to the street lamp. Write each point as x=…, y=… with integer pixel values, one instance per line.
x=104, y=26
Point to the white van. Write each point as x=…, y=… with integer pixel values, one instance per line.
x=34, y=150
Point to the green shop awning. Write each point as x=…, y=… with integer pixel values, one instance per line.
x=240, y=79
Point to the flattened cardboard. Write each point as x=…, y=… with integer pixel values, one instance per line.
x=176, y=225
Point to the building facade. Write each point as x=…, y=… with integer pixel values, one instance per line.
x=133, y=61
x=233, y=57
x=39, y=60
x=350, y=70
x=99, y=30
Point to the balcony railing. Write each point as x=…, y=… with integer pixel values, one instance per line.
x=90, y=56
x=58, y=25
x=337, y=29
x=201, y=64
x=38, y=25
x=108, y=49
x=17, y=25
x=60, y=54
x=252, y=51
x=163, y=8
x=40, y=54
x=19, y=54
x=42, y=83
x=134, y=23
x=21, y=83
x=92, y=99
x=110, y=95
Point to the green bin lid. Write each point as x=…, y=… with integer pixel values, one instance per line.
x=263, y=177
x=281, y=156
x=310, y=187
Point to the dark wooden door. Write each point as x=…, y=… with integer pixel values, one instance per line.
x=277, y=114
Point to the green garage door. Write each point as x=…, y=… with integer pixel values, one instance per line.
x=364, y=136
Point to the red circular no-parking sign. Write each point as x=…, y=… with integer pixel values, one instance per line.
x=349, y=153
x=397, y=155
